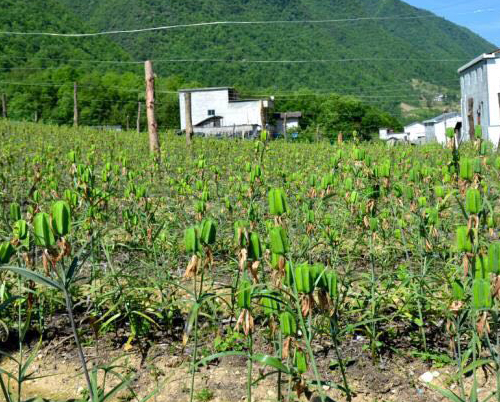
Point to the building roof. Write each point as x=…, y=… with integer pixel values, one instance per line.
x=493, y=55
x=442, y=117
x=291, y=115
x=208, y=89
x=414, y=124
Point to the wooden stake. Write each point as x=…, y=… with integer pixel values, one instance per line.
x=128, y=123
x=263, y=115
x=75, y=104
x=4, y=106
x=154, y=142
x=284, y=125
x=189, y=117
x=138, y=117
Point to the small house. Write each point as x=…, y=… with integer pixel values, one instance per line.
x=220, y=112
x=287, y=121
x=435, y=129
x=480, y=87
x=386, y=134
x=415, y=132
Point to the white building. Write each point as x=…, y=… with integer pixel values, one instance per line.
x=435, y=129
x=220, y=111
x=290, y=119
x=480, y=84
x=387, y=135
x=415, y=132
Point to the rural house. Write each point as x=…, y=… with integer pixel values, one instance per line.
x=435, y=129
x=287, y=121
x=415, y=132
x=386, y=134
x=220, y=112
x=480, y=84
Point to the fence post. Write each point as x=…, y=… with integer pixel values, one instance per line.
x=128, y=123
x=154, y=143
x=189, y=117
x=75, y=104
x=4, y=106
x=139, y=116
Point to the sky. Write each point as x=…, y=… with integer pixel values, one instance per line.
x=480, y=16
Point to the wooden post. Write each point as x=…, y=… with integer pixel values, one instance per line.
x=75, y=104
x=154, y=143
x=128, y=123
x=139, y=117
x=36, y=116
x=189, y=117
x=284, y=125
x=4, y=106
x=263, y=115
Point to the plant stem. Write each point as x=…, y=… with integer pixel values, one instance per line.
x=193, y=368
x=334, y=331
x=373, y=303
x=249, y=368
x=69, y=307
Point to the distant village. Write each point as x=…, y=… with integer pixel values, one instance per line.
x=220, y=112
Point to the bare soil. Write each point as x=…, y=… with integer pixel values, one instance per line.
x=166, y=367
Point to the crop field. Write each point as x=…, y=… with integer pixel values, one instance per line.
x=238, y=270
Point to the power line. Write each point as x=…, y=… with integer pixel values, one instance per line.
x=217, y=23
x=228, y=23
x=247, y=61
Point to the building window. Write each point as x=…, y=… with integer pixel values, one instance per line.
x=211, y=112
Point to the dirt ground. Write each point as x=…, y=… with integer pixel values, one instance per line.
x=166, y=368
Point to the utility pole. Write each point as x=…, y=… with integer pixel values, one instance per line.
x=75, y=104
x=4, y=106
x=189, y=118
x=139, y=116
x=154, y=143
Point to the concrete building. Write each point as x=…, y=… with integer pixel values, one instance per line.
x=220, y=112
x=435, y=129
x=415, y=132
x=480, y=84
x=388, y=135
x=289, y=119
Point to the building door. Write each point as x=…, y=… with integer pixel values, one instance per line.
x=470, y=116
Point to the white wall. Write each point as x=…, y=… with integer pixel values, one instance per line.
x=482, y=82
x=247, y=112
x=232, y=113
x=440, y=128
x=415, y=131
x=493, y=68
x=201, y=102
x=291, y=122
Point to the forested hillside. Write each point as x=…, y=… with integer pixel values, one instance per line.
x=421, y=39
x=37, y=73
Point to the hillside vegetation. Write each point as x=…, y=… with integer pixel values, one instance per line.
x=37, y=73
x=425, y=38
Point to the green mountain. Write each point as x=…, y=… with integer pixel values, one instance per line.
x=18, y=51
x=421, y=37
x=37, y=72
